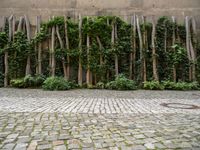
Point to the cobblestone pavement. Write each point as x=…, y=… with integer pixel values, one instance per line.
x=98, y=119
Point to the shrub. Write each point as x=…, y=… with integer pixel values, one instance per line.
x=56, y=83
x=1, y=80
x=100, y=85
x=121, y=83
x=153, y=85
x=18, y=83
x=39, y=79
x=169, y=85
x=180, y=85
x=28, y=81
x=186, y=86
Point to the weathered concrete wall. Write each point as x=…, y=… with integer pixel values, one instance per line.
x=47, y=8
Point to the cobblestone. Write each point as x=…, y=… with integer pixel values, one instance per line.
x=112, y=120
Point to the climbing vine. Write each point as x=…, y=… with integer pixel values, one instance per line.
x=108, y=46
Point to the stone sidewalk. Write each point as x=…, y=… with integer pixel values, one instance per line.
x=98, y=119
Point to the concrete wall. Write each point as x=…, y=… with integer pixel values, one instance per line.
x=125, y=8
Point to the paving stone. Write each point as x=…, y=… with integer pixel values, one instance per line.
x=21, y=146
x=9, y=146
x=60, y=147
x=149, y=146
x=97, y=119
x=43, y=147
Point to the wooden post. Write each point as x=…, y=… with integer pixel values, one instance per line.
x=53, y=63
x=6, y=53
x=140, y=46
x=39, y=46
x=116, y=55
x=28, y=31
x=173, y=43
x=88, y=60
x=62, y=47
x=67, y=47
x=194, y=28
x=155, y=73
x=80, y=69
x=188, y=36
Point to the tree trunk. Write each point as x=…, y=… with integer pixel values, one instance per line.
x=4, y=24
x=6, y=53
x=155, y=73
x=50, y=51
x=194, y=48
x=188, y=45
x=13, y=28
x=145, y=41
x=116, y=55
x=19, y=28
x=62, y=47
x=100, y=48
x=173, y=43
x=53, y=61
x=113, y=38
x=67, y=47
x=39, y=47
x=133, y=45
x=28, y=31
x=141, y=48
x=80, y=69
x=88, y=77
x=131, y=54
x=13, y=37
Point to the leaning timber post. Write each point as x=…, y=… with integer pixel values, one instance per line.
x=100, y=48
x=6, y=53
x=50, y=50
x=107, y=71
x=145, y=41
x=19, y=28
x=88, y=78
x=140, y=46
x=113, y=38
x=53, y=63
x=36, y=47
x=80, y=69
x=28, y=31
x=62, y=47
x=173, y=43
x=39, y=46
x=67, y=47
x=131, y=53
x=134, y=45
x=4, y=24
x=188, y=36
x=116, y=55
x=194, y=28
x=153, y=39
x=13, y=37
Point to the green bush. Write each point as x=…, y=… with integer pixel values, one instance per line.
x=100, y=85
x=180, y=85
x=1, y=80
x=153, y=85
x=28, y=81
x=56, y=83
x=39, y=80
x=18, y=83
x=185, y=86
x=121, y=83
x=169, y=85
